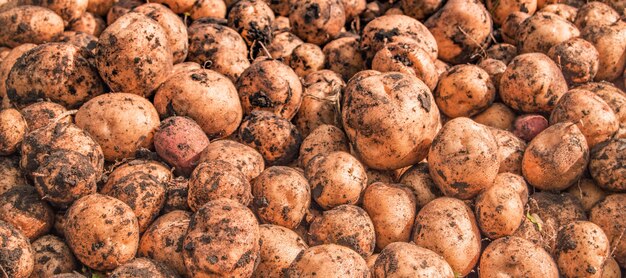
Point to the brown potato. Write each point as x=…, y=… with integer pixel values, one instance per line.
x=88, y=23
x=353, y=8
x=282, y=45
x=68, y=9
x=497, y=116
x=52, y=256
x=115, y=240
x=246, y=159
x=551, y=212
x=320, y=103
x=501, y=9
x=120, y=8
x=317, y=21
x=16, y=251
x=392, y=208
x=83, y=40
x=10, y=173
x=606, y=165
x=337, y=178
x=495, y=69
x=608, y=40
x=420, y=10
x=5, y=67
x=409, y=58
x=133, y=55
x=223, y=239
x=563, y=10
x=29, y=24
x=280, y=24
x=511, y=25
x=447, y=227
x=163, y=240
x=176, y=192
x=542, y=31
x=206, y=8
x=142, y=267
x=306, y=58
x=531, y=230
x=175, y=29
x=279, y=247
x=510, y=151
x=253, y=20
x=464, y=91
x=343, y=56
x=345, y=225
x=328, y=260
x=401, y=259
x=322, y=140
x=503, y=51
x=516, y=257
x=577, y=58
x=587, y=192
x=13, y=127
x=180, y=141
x=180, y=6
x=500, y=208
x=100, y=7
x=68, y=275
x=418, y=178
x=581, y=249
x=532, y=83
x=528, y=126
x=463, y=170
x=614, y=97
x=609, y=214
x=274, y=137
x=595, y=13
x=611, y=269
x=22, y=207
x=214, y=179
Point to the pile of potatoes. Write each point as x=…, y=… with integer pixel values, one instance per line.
x=312, y=138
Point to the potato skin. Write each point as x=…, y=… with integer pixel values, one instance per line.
x=582, y=249
x=587, y=192
x=528, y=126
x=544, y=30
x=501, y=9
x=306, y=58
x=343, y=56
x=16, y=248
x=22, y=207
x=52, y=256
x=282, y=45
x=279, y=247
x=163, y=240
x=418, y=178
x=511, y=25
x=516, y=257
x=497, y=115
x=500, y=208
x=88, y=23
x=464, y=91
x=407, y=58
x=578, y=59
x=274, y=137
x=214, y=179
x=607, y=39
x=606, y=165
x=553, y=211
x=317, y=21
x=392, y=208
x=447, y=226
x=29, y=24
x=175, y=29
x=401, y=259
x=246, y=159
x=595, y=13
x=227, y=231
x=142, y=267
x=206, y=8
x=345, y=225
x=10, y=173
x=328, y=260
x=609, y=214
x=133, y=55
x=82, y=40
x=13, y=127
x=322, y=140
x=120, y=122
x=180, y=141
x=113, y=243
x=68, y=9
x=5, y=67
x=510, y=151
x=320, y=103
x=253, y=20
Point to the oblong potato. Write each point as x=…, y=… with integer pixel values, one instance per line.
x=29, y=24
x=163, y=240
x=279, y=247
x=345, y=225
x=516, y=257
x=401, y=259
x=582, y=248
x=328, y=260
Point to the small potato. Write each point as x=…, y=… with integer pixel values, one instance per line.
x=83, y=40
x=608, y=40
x=594, y=14
x=68, y=275
x=587, y=192
x=577, y=58
x=530, y=230
x=121, y=123
x=306, y=58
x=611, y=269
x=134, y=55
x=463, y=170
x=176, y=192
x=551, y=212
x=501, y=9
x=528, y=126
x=253, y=20
x=113, y=243
x=581, y=249
x=163, y=240
x=282, y=45
x=532, y=83
x=223, y=239
x=497, y=115
x=343, y=56
x=246, y=159
x=374, y=176
x=180, y=6
x=320, y=104
x=353, y=8
x=500, y=208
x=401, y=259
x=270, y=85
x=100, y=7
x=447, y=226
x=556, y=158
x=407, y=58
x=323, y=140
x=29, y=24
x=503, y=51
x=175, y=29
x=420, y=10
x=274, y=137
x=58, y=72
x=41, y=114
x=69, y=10
x=214, y=179
x=281, y=196
x=606, y=165
x=180, y=141
x=419, y=180
x=22, y=207
x=392, y=208
x=542, y=31
x=5, y=67
x=142, y=267
x=88, y=23
x=337, y=178
x=328, y=260
x=13, y=127
x=563, y=10
x=205, y=8
x=280, y=24
x=345, y=225
x=120, y=8
x=52, y=256
x=495, y=69
x=610, y=215
x=317, y=21
x=279, y=247
x=516, y=257
x=10, y=173
x=15, y=251
x=464, y=91
x=593, y=116
x=510, y=151
x=511, y=25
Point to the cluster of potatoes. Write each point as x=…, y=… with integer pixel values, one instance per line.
x=312, y=138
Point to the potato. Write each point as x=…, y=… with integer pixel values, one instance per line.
x=10, y=173
x=282, y=45
x=306, y=58
x=577, y=58
x=113, y=243
x=551, y=212
x=405, y=118
x=494, y=68
x=595, y=13
x=280, y=24
x=581, y=249
x=608, y=40
x=253, y=20
x=447, y=226
x=88, y=23
x=401, y=259
x=611, y=269
x=337, y=178
x=68, y=275
x=417, y=178
x=121, y=123
x=511, y=25
x=181, y=6
x=343, y=56
x=613, y=96
x=317, y=21
x=175, y=29
x=463, y=170
x=497, y=116
x=22, y=207
x=279, y=247
x=556, y=158
x=461, y=29
x=532, y=83
x=322, y=140
x=501, y=9
x=100, y=7
x=320, y=102
x=353, y=8
x=180, y=141
x=606, y=165
x=563, y=10
x=528, y=126
x=176, y=192
x=223, y=239
x=270, y=85
x=134, y=55
x=163, y=240
x=142, y=267
x=503, y=51
x=69, y=10
x=52, y=256
x=589, y=112
x=16, y=252
x=587, y=192
x=374, y=176
x=531, y=230
x=83, y=40
x=219, y=47
x=396, y=28
x=246, y=159
x=5, y=67
x=420, y=10
x=13, y=127
x=59, y=72
x=407, y=58
x=392, y=208
x=516, y=257
x=328, y=260
x=29, y=24
x=609, y=215
x=274, y=137
x=542, y=31
x=214, y=179
x=120, y=8
x=345, y=225
x=464, y=91
x=500, y=208
x=510, y=151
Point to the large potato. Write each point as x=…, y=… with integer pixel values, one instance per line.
x=216, y=179
x=500, y=208
x=607, y=165
x=401, y=259
x=274, y=137
x=336, y=178
x=22, y=207
x=15, y=251
x=395, y=108
x=516, y=257
x=610, y=215
x=121, y=123
x=163, y=240
x=328, y=260
x=175, y=29
x=464, y=91
x=544, y=30
x=52, y=256
x=345, y=225
x=582, y=248
x=317, y=21
x=279, y=247
x=246, y=159
x=29, y=24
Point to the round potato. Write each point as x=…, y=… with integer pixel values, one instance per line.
x=205, y=8
x=497, y=115
x=142, y=267
x=407, y=57
x=343, y=56
x=511, y=25
x=274, y=137
x=52, y=256
x=317, y=21
x=581, y=249
x=180, y=141
x=401, y=259
x=163, y=240
x=500, y=208
x=495, y=69
x=279, y=247
x=611, y=269
x=320, y=104
x=246, y=159
x=564, y=10
x=253, y=20
x=516, y=257
x=606, y=165
x=577, y=58
x=214, y=179
x=5, y=67
x=22, y=207
x=88, y=23
x=501, y=9
x=175, y=29
x=282, y=45
x=29, y=24
x=328, y=260
x=419, y=180
x=345, y=225
x=16, y=252
x=464, y=91
x=544, y=30
x=608, y=39
x=323, y=140
x=609, y=214
x=13, y=127
x=587, y=192
x=306, y=58
x=528, y=126
x=595, y=13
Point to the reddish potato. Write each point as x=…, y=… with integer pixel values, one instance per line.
x=180, y=141
x=528, y=126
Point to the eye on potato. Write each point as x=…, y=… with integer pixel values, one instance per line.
x=277, y=139
x=52, y=256
x=16, y=251
x=29, y=24
x=328, y=260
x=279, y=247
x=317, y=21
x=345, y=225
x=180, y=142
x=514, y=257
x=22, y=207
x=401, y=259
